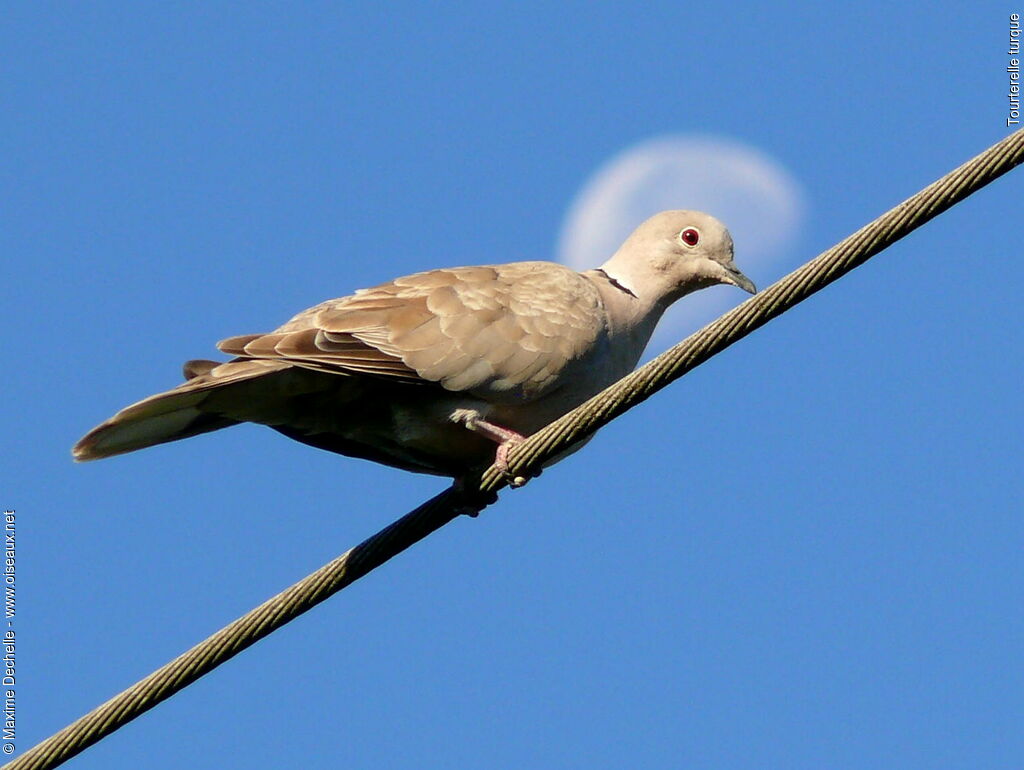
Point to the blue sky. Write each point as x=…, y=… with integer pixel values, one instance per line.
x=805, y=554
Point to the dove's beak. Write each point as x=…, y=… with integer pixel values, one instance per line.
x=736, y=278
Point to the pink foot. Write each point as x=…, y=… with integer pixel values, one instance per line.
x=505, y=439
x=501, y=462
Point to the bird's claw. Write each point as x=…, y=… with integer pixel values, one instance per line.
x=501, y=463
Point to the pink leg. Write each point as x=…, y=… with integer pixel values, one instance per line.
x=503, y=437
x=496, y=433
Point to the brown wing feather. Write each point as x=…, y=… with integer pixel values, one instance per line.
x=501, y=331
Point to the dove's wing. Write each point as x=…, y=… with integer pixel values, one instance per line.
x=500, y=332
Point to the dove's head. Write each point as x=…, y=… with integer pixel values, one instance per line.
x=674, y=253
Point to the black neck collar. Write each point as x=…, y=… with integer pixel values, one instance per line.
x=615, y=283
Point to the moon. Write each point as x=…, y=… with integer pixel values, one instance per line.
x=755, y=195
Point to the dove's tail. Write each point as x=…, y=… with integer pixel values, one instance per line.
x=188, y=410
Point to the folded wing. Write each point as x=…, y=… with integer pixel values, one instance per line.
x=499, y=332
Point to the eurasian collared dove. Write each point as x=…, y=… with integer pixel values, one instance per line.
x=430, y=371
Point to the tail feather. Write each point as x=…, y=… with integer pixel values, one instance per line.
x=197, y=367
x=164, y=417
x=174, y=414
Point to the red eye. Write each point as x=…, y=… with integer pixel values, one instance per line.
x=690, y=236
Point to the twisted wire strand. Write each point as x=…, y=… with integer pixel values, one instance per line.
x=524, y=459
